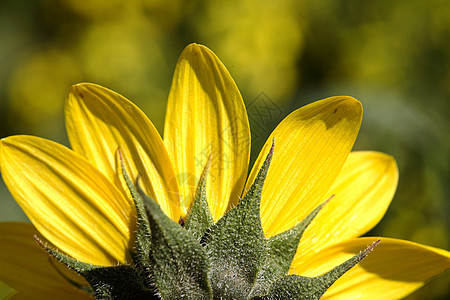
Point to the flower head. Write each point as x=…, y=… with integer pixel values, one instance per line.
x=80, y=201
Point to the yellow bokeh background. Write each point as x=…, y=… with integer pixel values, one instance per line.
x=391, y=55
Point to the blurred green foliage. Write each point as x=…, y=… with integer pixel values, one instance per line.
x=391, y=55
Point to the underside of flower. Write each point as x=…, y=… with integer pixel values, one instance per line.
x=230, y=259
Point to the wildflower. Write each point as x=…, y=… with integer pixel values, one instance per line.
x=241, y=235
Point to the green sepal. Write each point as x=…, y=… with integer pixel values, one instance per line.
x=178, y=262
x=119, y=282
x=281, y=250
x=107, y=283
x=6, y=291
x=236, y=245
x=141, y=253
x=300, y=287
x=294, y=287
x=199, y=219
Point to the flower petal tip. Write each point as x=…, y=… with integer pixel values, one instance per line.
x=192, y=46
x=194, y=50
x=195, y=47
x=190, y=49
x=10, y=141
x=76, y=91
x=388, y=160
x=80, y=90
x=348, y=105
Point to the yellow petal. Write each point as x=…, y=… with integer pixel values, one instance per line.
x=99, y=121
x=311, y=145
x=206, y=117
x=363, y=191
x=26, y=267
x=394, y=269
x=71, y=203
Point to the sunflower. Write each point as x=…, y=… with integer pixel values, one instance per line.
x=78, y=201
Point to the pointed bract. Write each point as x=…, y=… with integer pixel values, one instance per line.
x=394, y=269
x=6, y=292
x=107, y=283
x=300, y=287
x=236, y=244
x=281, y=250
x=179, y=264
x=141, y=252
x=199, y=219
